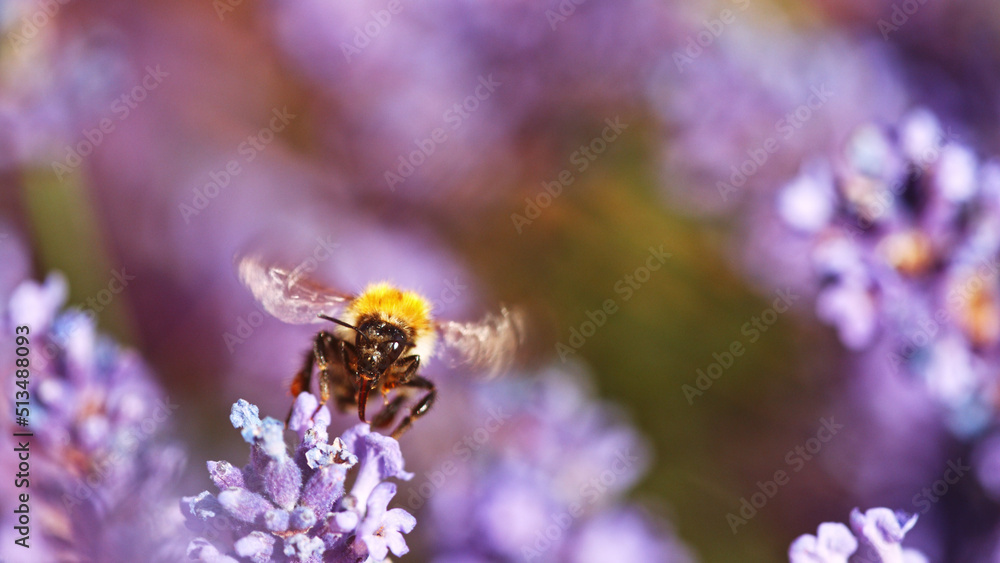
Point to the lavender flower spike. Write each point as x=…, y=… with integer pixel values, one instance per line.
x=879, y=532
x=294, y=507
x=901, y=229
x=98, y=436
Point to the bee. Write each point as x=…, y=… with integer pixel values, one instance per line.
x=381, y=339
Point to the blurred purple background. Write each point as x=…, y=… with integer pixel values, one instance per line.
x=533, y=153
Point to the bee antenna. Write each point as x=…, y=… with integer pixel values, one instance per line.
x=342, y=323
x=338, y=321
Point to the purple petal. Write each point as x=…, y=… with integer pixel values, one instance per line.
x=376, y=546
x=283, y=482
x=202, y=506
x=850, y=307
x=882, y=526
x=834, y=537
x=257, y=546
x=244, y=505
x=344, y=522
x=808, y=202
x=201, y=550
x=36, y=305
x=379, y=448
x=303, y=518
x=302, y=418
x=396, y=523
x=271, y=438
x=323, y=454
x=380, y=458
x=380, y=529
x=244, y=415
x=276, y=520
x=324, y=488
x=225, y=475
x=834, y=544
x=378, y=503
x=304, y=547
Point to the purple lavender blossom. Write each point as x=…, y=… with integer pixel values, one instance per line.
x=545, y=481
x=293, y=507
x=101, y=476
x=878, y=531
x=902, y=230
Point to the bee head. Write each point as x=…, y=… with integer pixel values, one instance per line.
x=379, y=344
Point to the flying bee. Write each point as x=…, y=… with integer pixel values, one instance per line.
x=381, y=339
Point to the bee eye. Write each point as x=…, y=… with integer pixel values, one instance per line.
x=393, y=346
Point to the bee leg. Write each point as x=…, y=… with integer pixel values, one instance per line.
x=421, y=408
x=303, y=379
x=385, y=416
x=408, y=367
x=403, y=372
x=345, y=392
x=304, y=376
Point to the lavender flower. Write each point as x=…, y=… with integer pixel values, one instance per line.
x=879, y=532
x=100, y=475
x=293, y=507
x=544, y=482
x=903, y=230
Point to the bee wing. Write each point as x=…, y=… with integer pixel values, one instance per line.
x=488, y=345
x=287, y=294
